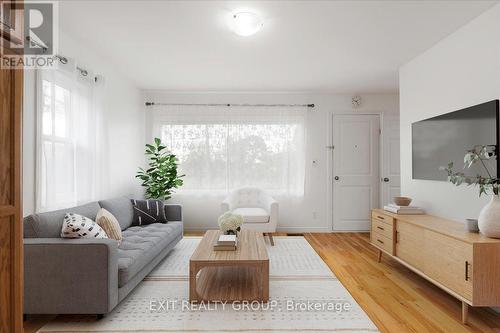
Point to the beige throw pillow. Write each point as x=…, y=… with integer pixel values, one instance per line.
x=109, y=224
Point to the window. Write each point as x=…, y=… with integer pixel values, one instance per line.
x=65, y=158
x=56, y=145
x=221, y=149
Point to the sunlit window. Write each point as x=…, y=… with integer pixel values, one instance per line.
x=65, y=141
x=220, y=156
x=56, y=160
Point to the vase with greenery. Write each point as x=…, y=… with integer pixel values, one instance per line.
x=489, y=218
x=161, y=177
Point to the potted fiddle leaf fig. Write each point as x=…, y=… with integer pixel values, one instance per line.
x=489, y=218
x=161, y=177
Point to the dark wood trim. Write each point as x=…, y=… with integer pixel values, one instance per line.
x=11, y=227
x=17, y=236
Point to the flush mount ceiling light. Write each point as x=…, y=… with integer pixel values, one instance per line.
x=246, y=23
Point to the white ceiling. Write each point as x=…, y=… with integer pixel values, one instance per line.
x=327, y=46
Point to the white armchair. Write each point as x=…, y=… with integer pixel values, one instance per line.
x=259, y=209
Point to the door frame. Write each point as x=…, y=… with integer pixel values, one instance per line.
x=330, y=159
x=385, y=167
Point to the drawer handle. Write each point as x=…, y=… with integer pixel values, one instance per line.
x=467, y=271
x=380, y=228
x=378, y=240
x=380, y=217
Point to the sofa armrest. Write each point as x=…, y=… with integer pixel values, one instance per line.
x=173, y=212
x=70, y=276
x=272, y=207
x=229, y=202
x=273, y=215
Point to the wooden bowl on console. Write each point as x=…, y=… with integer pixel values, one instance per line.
x=402, y=201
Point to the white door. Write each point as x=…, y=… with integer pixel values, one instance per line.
x=355, y=170
x=390, y=175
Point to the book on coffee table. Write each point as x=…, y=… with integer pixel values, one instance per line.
x=227, y=240
x=224, y=248
x=226, y=243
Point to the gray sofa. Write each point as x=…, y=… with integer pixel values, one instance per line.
x=91, y=276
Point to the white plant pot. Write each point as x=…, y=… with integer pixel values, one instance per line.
x=489, y=218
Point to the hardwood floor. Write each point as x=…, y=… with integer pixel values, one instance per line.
x=396, y=299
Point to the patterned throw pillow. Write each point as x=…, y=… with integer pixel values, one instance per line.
x=148, y=211
x=78, y=226
x=109, y=224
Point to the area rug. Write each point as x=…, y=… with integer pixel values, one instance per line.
x=291, y=257
x=304, y=297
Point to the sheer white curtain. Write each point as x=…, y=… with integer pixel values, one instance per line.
x=223, y=148
x=67, y=148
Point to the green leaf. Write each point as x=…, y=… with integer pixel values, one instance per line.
x=161, y=177
x=476, y=154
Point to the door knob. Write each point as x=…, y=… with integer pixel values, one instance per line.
x=336, y=178
x=385, y=179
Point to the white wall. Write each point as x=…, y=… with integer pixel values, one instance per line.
x=201, y=212
x=123, y=120
x=460, y=71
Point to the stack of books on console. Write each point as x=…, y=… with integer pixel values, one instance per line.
x=226, y=243
x=404, y=210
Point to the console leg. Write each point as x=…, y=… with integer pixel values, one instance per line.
x=465, y=313
x=379, y=258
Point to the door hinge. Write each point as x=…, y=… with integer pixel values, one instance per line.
x=379, y=131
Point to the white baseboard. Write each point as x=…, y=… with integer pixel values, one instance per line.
x=351, y=231
x=287, y=230
x=302, y=229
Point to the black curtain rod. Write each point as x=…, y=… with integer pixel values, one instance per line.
x=228, y=104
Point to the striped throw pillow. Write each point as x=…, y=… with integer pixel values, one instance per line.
x=148, y=211
x=109, y=224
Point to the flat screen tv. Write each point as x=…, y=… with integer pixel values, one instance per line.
x=439, y=140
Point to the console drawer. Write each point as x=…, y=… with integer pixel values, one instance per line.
x=382, y=242
x=382, y=217
x=384, y=229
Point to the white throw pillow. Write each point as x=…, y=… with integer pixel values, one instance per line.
x=78, y=226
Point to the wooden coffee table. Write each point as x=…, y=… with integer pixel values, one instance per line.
x=240, y=275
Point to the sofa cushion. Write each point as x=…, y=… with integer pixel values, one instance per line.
x=252, y=215
x=141, y=244
x=121, y=208
x=49, y=225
